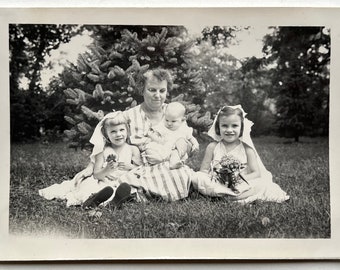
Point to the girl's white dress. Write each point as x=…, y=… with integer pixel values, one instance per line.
x=76, y=195
x=261, y=188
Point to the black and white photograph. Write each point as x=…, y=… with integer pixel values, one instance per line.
x=178, y=133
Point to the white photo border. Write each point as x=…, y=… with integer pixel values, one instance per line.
x=37, y=249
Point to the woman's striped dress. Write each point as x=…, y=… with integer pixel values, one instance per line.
x=155, y=180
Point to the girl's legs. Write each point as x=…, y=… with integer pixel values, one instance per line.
x=122, y=194
x=98, y=198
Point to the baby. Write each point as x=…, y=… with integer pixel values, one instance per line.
x=173, y=138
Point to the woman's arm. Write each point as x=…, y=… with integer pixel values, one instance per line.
x=154, y=153
x=253, y=170
x=208, y=157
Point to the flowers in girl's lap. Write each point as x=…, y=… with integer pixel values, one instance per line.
x=227, y=172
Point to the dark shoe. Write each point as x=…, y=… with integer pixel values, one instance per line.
x=97, y=198
x=123, y=194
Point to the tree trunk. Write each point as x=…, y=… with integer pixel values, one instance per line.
x=35, y=78
x=296, y=136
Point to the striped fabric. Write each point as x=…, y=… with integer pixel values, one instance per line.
x=156, y=180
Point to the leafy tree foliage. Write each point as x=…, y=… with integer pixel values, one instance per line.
x=107, y=77
x=55, y=123
x=220, y=73
x=29, y=44
x=300, y=79
x=230, y=81
x=219, y=35
x=253, y=94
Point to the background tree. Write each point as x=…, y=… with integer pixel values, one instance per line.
x=28, y=45
x=253, y=94
x=220, y=74
x=54, y=123
x=219, y=69
x=220, y=35
x=300, y=79
x=231, y=81
x=106, y=77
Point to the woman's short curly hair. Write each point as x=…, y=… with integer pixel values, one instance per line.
x=158, y=73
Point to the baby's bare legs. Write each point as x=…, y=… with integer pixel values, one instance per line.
x=182, y=147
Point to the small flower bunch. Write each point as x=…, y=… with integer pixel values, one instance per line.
x=111, y=157
x=227, y=171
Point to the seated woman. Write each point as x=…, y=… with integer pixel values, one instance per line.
x=158, y=180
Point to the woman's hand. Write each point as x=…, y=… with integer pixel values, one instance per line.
x=153, y=155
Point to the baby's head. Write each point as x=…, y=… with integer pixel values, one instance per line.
x=227, y=111
x=174, y=115
x=115, y=129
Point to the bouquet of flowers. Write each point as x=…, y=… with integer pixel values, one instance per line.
x=227, y=171
x=111, y=157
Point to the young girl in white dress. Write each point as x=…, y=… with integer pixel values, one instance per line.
x=116, y=158
x=231, y=132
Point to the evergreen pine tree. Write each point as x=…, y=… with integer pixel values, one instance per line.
x=106, y=77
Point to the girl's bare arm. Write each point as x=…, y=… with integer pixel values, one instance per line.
x=253, y=170
x=208, y=157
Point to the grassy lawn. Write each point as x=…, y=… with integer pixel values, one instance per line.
x=301, y=169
